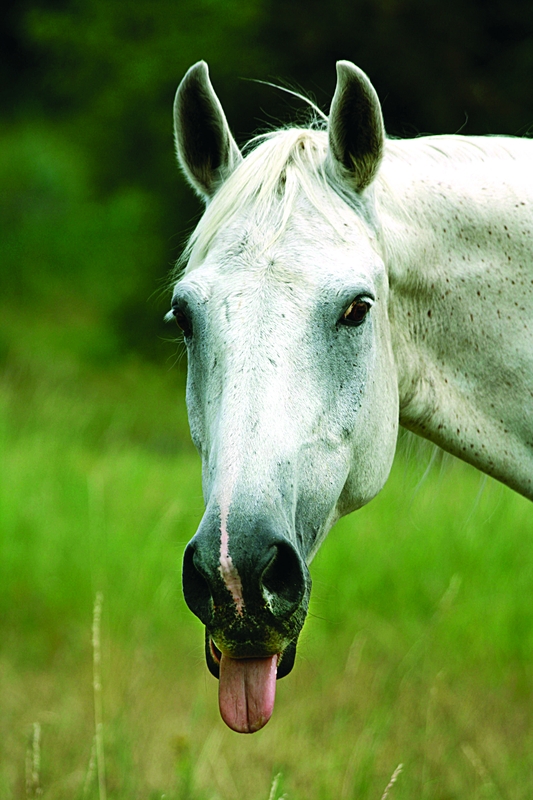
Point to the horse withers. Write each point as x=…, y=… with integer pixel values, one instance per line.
x=338, y=284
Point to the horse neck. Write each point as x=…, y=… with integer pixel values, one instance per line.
x=457, y=246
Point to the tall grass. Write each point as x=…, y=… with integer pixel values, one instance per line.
x=418, y=649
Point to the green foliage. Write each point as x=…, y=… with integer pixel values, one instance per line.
x=58, y=238
x=72, y=257
x=114, y=68
x=91, y=197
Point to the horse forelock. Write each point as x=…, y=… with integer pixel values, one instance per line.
x=280, y=168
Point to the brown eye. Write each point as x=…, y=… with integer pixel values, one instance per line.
x=182, y=321
x=355, y=313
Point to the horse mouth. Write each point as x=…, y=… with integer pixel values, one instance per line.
x=213, y=657
x=247, y=686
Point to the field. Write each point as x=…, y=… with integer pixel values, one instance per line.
x=418, y=649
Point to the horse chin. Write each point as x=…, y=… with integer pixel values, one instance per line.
x=213, y=657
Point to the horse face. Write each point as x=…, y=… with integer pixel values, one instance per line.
x=291, y=395
x=293, y=407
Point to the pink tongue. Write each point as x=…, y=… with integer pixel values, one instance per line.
x=246, y=692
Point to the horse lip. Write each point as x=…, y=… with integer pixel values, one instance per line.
x=213, y=656
x=286, y=660
x=215, y=652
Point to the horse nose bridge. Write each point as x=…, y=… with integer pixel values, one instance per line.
x=250, y=566
x=262, y=397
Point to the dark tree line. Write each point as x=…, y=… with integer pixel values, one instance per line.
x=92, y=205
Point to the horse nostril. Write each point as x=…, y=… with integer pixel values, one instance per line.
x=283, y=580
x=195, y=586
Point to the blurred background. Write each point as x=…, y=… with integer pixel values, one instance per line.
x=420, y=644
x=93, y=209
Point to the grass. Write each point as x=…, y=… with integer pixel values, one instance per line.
x=418, y=649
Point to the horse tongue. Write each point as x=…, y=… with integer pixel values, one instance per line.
x=246, y=693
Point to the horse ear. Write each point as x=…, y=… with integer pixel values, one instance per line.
x=207, y=152
x=355, y=129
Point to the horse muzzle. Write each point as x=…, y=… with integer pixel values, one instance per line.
x=252, y=593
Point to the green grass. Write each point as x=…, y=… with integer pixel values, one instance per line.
x=418, y=648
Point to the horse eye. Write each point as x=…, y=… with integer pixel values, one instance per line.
x=355, y=313
x=182, y=321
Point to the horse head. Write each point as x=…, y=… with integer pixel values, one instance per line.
x=292, y=390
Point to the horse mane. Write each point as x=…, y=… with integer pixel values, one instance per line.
x=282, y=165
x=279, y=167
x=446, y=148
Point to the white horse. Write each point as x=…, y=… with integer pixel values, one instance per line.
x=338, y=284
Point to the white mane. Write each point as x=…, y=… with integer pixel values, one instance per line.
x=285, y=164
x=281, y=167
x=445, y=148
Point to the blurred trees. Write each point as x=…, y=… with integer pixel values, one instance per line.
x=434, y=62
x=92, y=197
x=93, y=210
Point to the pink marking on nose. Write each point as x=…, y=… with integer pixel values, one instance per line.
x=227, y=569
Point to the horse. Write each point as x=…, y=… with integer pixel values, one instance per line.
x=339, y=284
